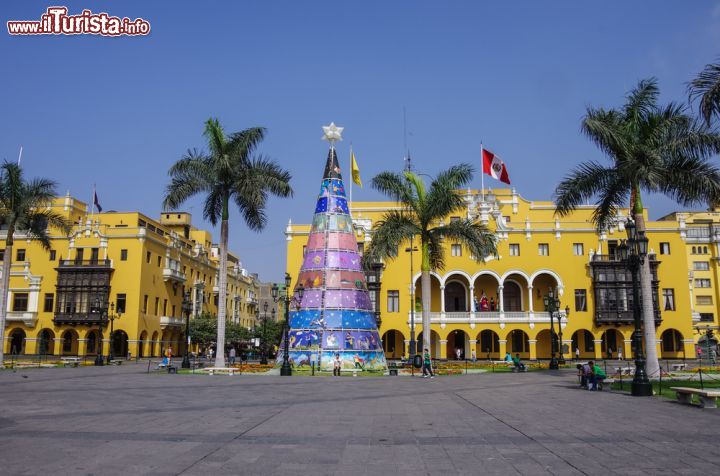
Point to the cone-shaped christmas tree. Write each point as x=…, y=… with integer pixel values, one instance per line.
x=335, y=317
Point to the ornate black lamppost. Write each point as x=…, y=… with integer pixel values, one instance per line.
x=112, y=316
x=373, y=284
x=186, y=309
x=285, y=296
x=633, y=253
x=561, y=359
x=263, y=346
x=98, y=345
x=413, y=345
x=552, y=304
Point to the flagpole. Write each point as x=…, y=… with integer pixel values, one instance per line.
x=351, y=177
x=92, y=205
x=482, y=173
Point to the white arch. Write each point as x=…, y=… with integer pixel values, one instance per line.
x=454, y=272
x=467, y=293
x=515, y=271
x=522, y=298
x=432, y=273
x=488, y=272
x=549, y=272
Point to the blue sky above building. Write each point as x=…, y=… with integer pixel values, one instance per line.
x=517, y=76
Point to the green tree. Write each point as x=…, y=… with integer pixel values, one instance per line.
x=24, y=209
x=228, y=171
x=203, y=329
x=705, y=88
x=270, y=335
x=653, y=149
x=238, y=334
x=422, y=214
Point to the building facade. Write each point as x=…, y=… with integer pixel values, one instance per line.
x=497, y=305
x=119, y=271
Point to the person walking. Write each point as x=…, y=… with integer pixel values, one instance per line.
x=337, y=365
x=577, y=353
x=620, y=356
x=233, y=354
x=427, y=365
x=473, y=357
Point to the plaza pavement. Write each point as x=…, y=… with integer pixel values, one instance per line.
x=120, y=420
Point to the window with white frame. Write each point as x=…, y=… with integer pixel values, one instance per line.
x=514, y=249
x=701, y=266
x=393, y=301
x=544, y=249
x=578, y=249
x=668, y=299
x=456, y=250
x=664, y=248
x=702, y=283
x=703, y=300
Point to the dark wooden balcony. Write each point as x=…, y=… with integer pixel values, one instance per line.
x=85, y=264
x=87, y=318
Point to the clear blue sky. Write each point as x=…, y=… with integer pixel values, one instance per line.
x=516, y=75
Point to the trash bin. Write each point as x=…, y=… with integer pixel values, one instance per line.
x=172, y=369
x=417, y=361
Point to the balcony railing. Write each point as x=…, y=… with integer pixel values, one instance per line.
x=88, y=318
x=170, y=274
x=90, y=263
x=620, y=317
x=488, y=317
x=170, y=321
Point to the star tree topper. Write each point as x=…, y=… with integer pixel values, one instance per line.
x=332, y=134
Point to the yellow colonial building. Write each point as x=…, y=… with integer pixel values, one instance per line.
x=496, y=306
x=123, y=267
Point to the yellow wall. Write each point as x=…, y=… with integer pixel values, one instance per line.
x=530, y=224
x=184, y=264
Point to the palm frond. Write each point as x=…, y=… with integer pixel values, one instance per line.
x=242, y=144
x=691, y=180
x=394, y=185
x=395, y=228
x=480, y=241
x=189, y=176
x=443, y=198
x=436, y=251
x=641, y=101
x=274, y=178
x=706, y=88
x=581, y=185
x=215, y=135
x=605, y=129
x=612, y=199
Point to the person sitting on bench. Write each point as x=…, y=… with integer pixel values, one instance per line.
x=518, y=364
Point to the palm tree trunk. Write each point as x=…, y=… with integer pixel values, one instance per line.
x=425, y=286
x=5, y=289
x=652, y=365
x=222, y=289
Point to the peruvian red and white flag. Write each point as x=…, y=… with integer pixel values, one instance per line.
x=494, y=167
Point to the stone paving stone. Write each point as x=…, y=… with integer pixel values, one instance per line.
x=123, y=421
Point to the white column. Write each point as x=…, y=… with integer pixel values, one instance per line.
x=442, y=299
x=501, y=303
x=472, y=299
x=530, y=299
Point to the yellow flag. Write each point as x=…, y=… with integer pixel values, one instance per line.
x=355, y=170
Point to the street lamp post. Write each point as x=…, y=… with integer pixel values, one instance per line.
x=373, y=284
x=285, y=369
x=112, y=316
x=552, y=304
x=633, y=252
x=263, y=351
x=186, y=309
x=413, y=344
x=98, y=345
x=561, y=359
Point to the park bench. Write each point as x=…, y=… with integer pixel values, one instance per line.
x=678, y=367
x=625, y=370
x=708, y=398
x=393, y=369
x=221, y=370
x=70, y=361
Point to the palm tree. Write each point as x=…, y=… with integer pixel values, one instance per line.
x=653, y=149
x=24, y=208
x=421, y=216
x=228, y=171
x=706, y=88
